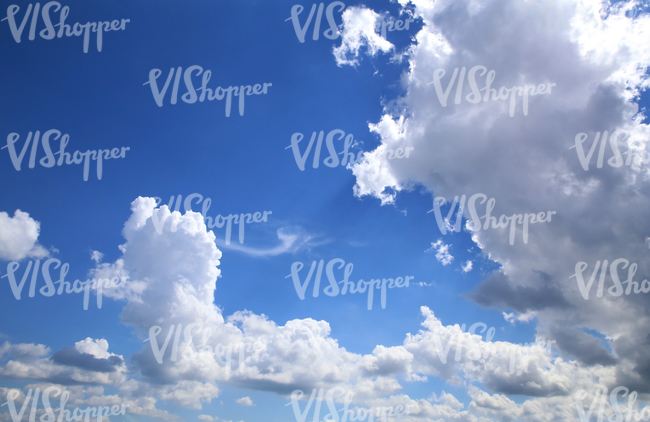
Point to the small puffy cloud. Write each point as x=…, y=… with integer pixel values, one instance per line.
x=96, y=256
x=18, y=237
x=245, y=401
x=442, y=252
x=467, y=267
x=359, y=31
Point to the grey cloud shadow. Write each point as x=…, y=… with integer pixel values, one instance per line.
x=69, y=356
x=497, y=292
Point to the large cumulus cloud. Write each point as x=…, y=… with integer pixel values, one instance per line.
x=597, y=57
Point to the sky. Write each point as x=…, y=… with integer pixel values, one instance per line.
x=520, y=107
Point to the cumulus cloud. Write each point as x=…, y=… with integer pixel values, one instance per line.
x=245, y=401
x=19, y=236
x=597, y=57
x=179, y=270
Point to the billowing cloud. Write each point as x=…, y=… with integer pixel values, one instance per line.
x=178, y=272
x=522, y=156
x=19, y=236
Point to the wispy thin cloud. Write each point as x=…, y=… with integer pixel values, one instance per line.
x=292, y=240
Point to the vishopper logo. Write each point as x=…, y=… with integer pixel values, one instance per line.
x=49, y=161
x=190, y=97
x=333, y=159
x=475, y=353
x=616, y=160
x=76, y=415
x=49, y=290
x=219, y=221
x=358, y=414
x=476, y=225
x=617, y=289
x=223, y=352
x=48, y=33
x=398, y=153
x=601, y=395
x=392, y=25
x=333, y=288
x=332, y=33
x=475, y=96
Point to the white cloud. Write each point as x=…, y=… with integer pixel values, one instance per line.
x=359, y=31
x=96, y=256
x=245, y=401
x=19, y=236
x=598, y=60
x=287, y=361
x=467, y=267
x=442, y=252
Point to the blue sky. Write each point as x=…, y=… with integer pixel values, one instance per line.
x=243, y=165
